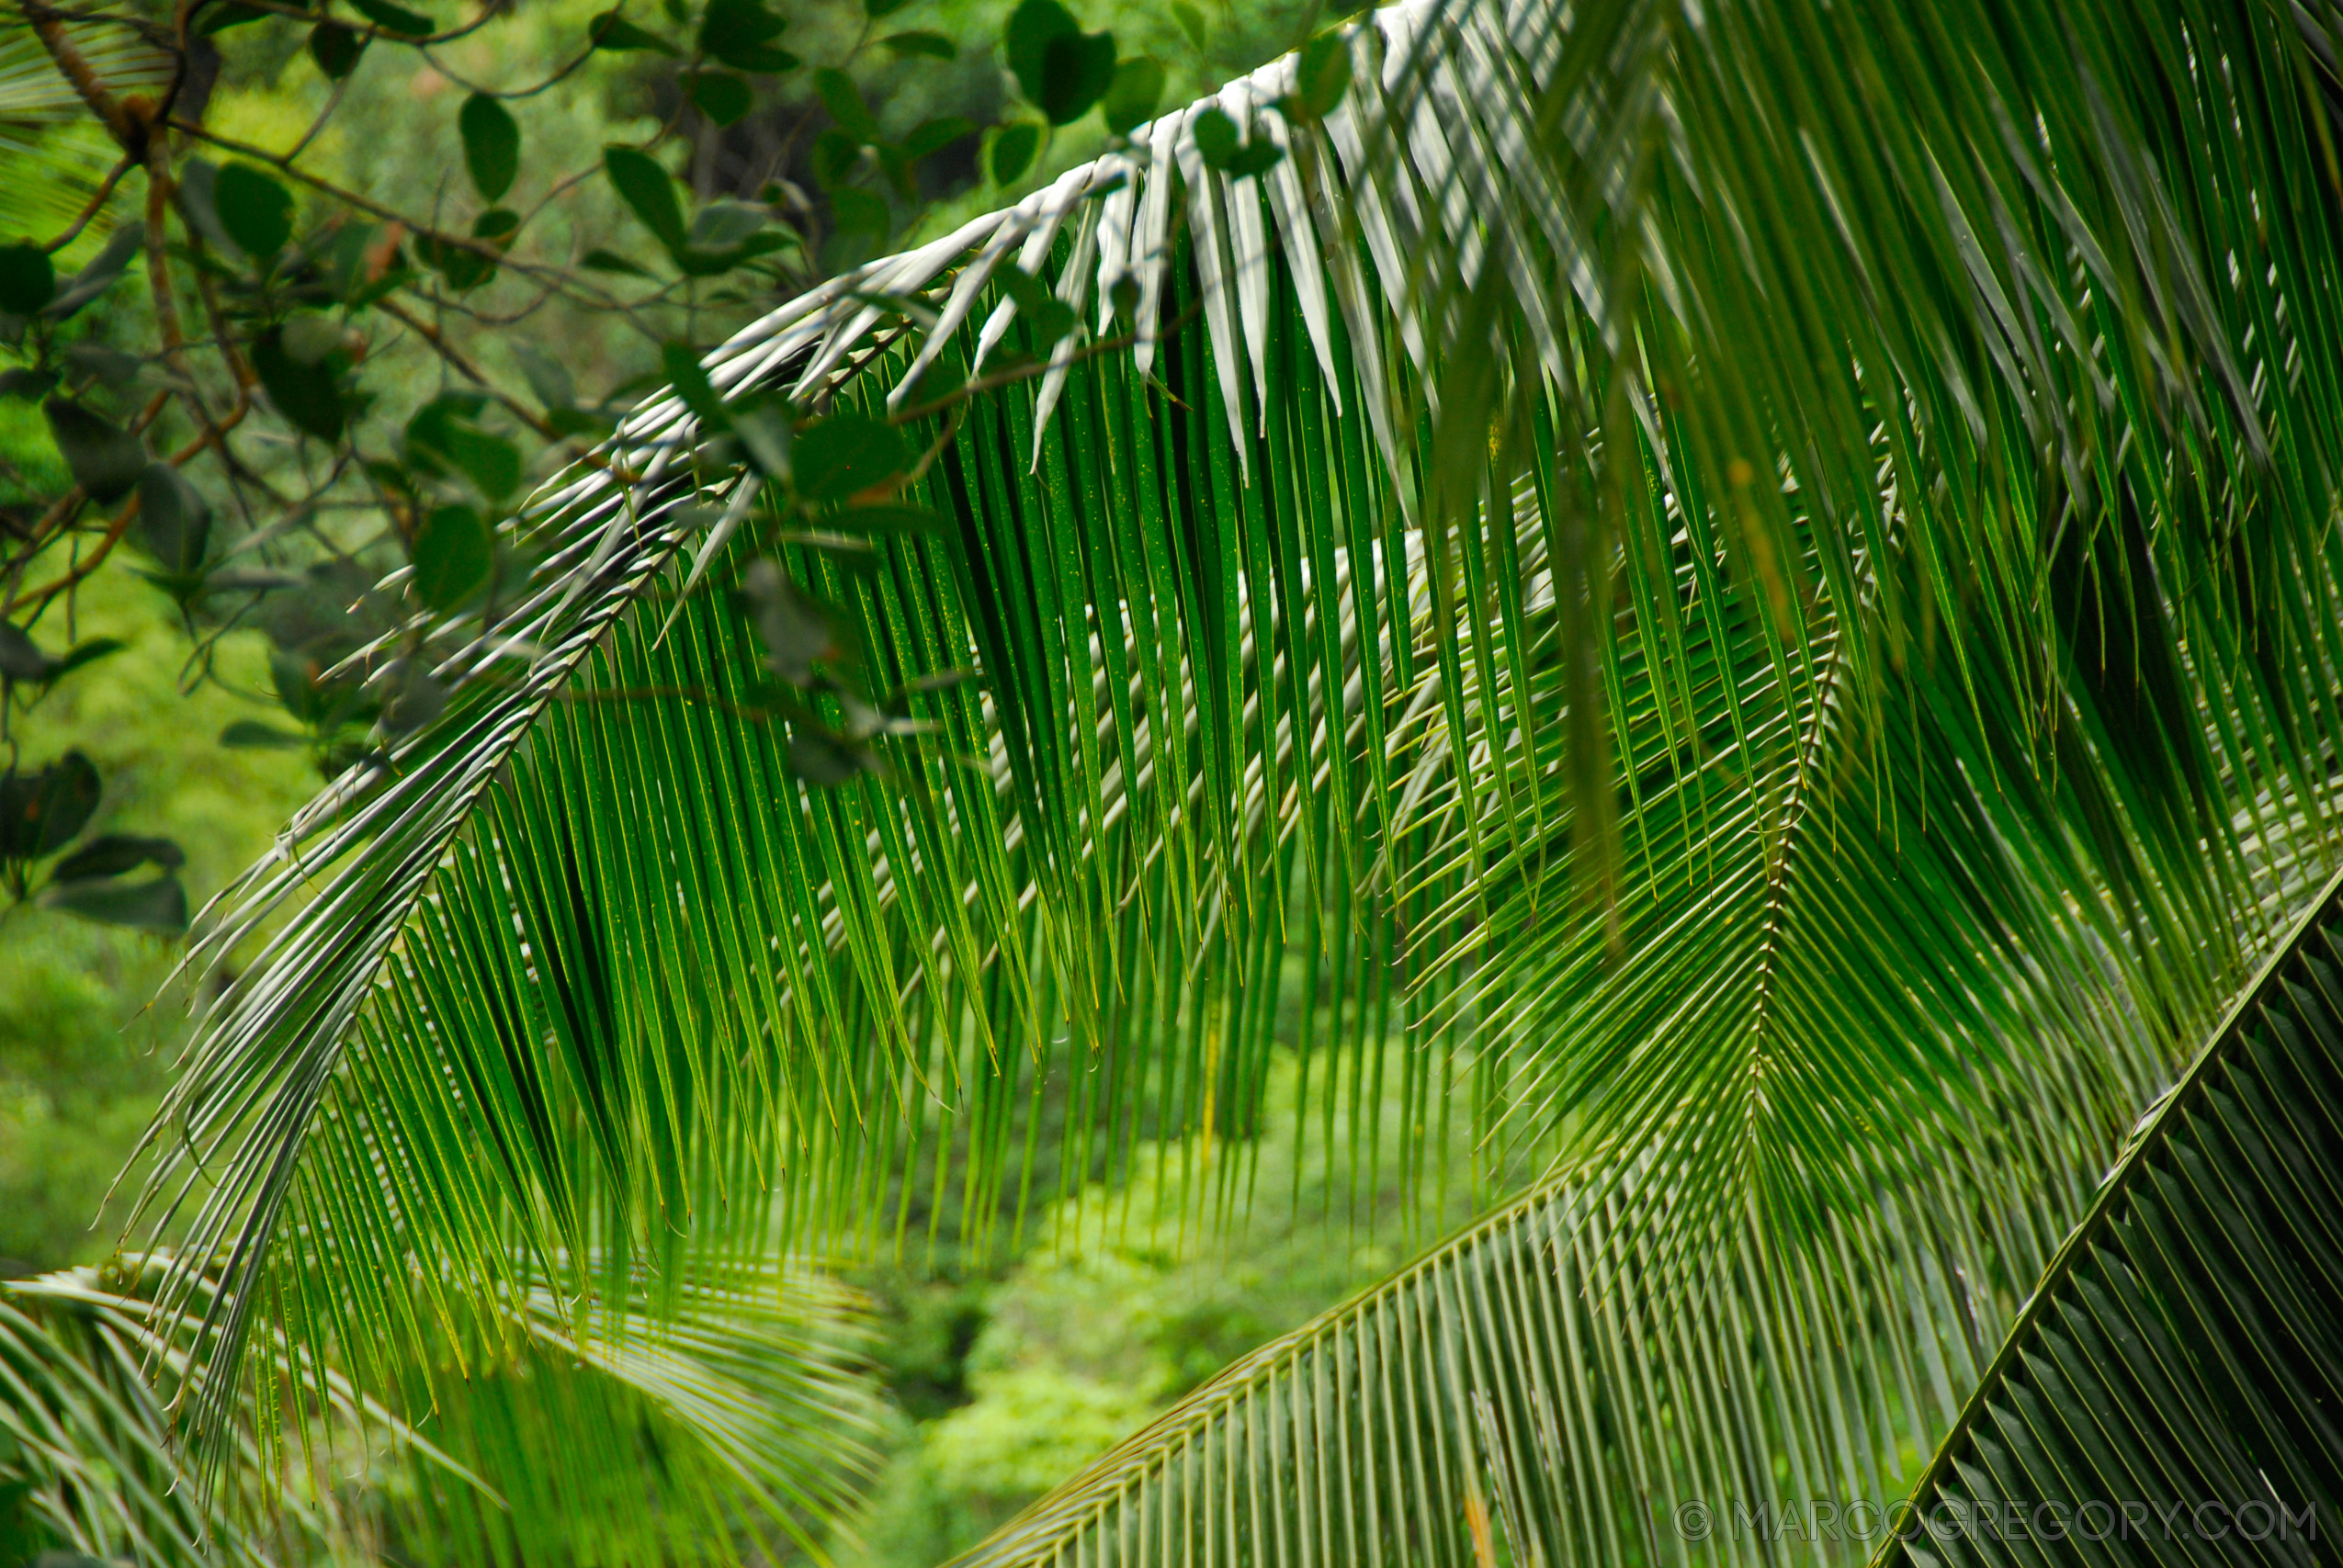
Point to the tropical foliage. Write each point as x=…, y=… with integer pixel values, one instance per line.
x=1746, y=589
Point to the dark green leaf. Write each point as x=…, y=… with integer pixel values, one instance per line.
x=255, y=208
x=599, y=260
x=20, y=657
x=1321, y=75
x=835, y=155
x=158, y=905
x=41, y=813
x=251, y=735
x=114, y=853
x=1076, y=71
x=643, y=182
x=452, y=553
x=336, y=46
x=497, y=225
x=395, y=19
x=767, y=436
x=932, y=136
x=795, y=629
x=220, y=17
x=826, y=760
x=721, y=225
x=463, y=267
x=580, y=422
x=174, y=521
x=1191, y=21
x=547, y=376
x=1217, y=144
x=1032, y=27
x=91, y=361
x=83, y=653
x=1132, y=95
x=860, y=225
x=739, y=34
x=1013, y=151
x=492, y=145
x=847, y=454
x=723, y=98
x=307, y=397
x=689, y=378
x=612, y=31
x=874, y=10
x=843, y=99
x=920, y=42
x=26, y=383
x=105, y=459
x=1046, y=316
x=99, y=275
x=442, y=435
x=27, y=281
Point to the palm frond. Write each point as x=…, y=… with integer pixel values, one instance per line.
x=2178, y=1357
x=53, y=153
x=1924, y=654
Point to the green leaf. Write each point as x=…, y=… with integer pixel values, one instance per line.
x=877, y=9
x=306, y=396
x=847, y=454
x=336, y=46
x=100, y=274
x=1076, y=71
x=395, y=19
x=26, y=383
x=1047, y=317
x=843, y=99
x=932, y=136
x=768, y=435
x=547, y=376
x=643, y=183
x=82, y=654
x=826, y=760
x=1013, y=151
x=105, y=459
x=689, y=378
x=796, y=631
x=920, y=41
x=610, y=31
x=251, y=735
x=310, y=337
x=114, y=853
x=1190, y=22
x=1217, y=144
x=158, y=905
x=452, y=553
x=20, y=657
x=599, y=260
x=27, y=281
x=1033, y=26
x=1321, y=75
x=1132, y=95
x=41, y=813
x=723, y=98
x=492, y=145
x=219, y=18
x=739, y=34
x=173, y=520
x=442, y=433
x=726, y=225
x=255, y=209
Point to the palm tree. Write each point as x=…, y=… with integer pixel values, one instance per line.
x=1748, y=587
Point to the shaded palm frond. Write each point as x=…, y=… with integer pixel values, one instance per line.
x=2179, y=1358
x=53, y=152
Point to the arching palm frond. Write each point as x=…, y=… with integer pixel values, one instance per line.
x=528, y=1434
x=1848, y=641
x=53, y=155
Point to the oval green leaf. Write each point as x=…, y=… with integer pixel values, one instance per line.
x=492, y=145
x=453, y=550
